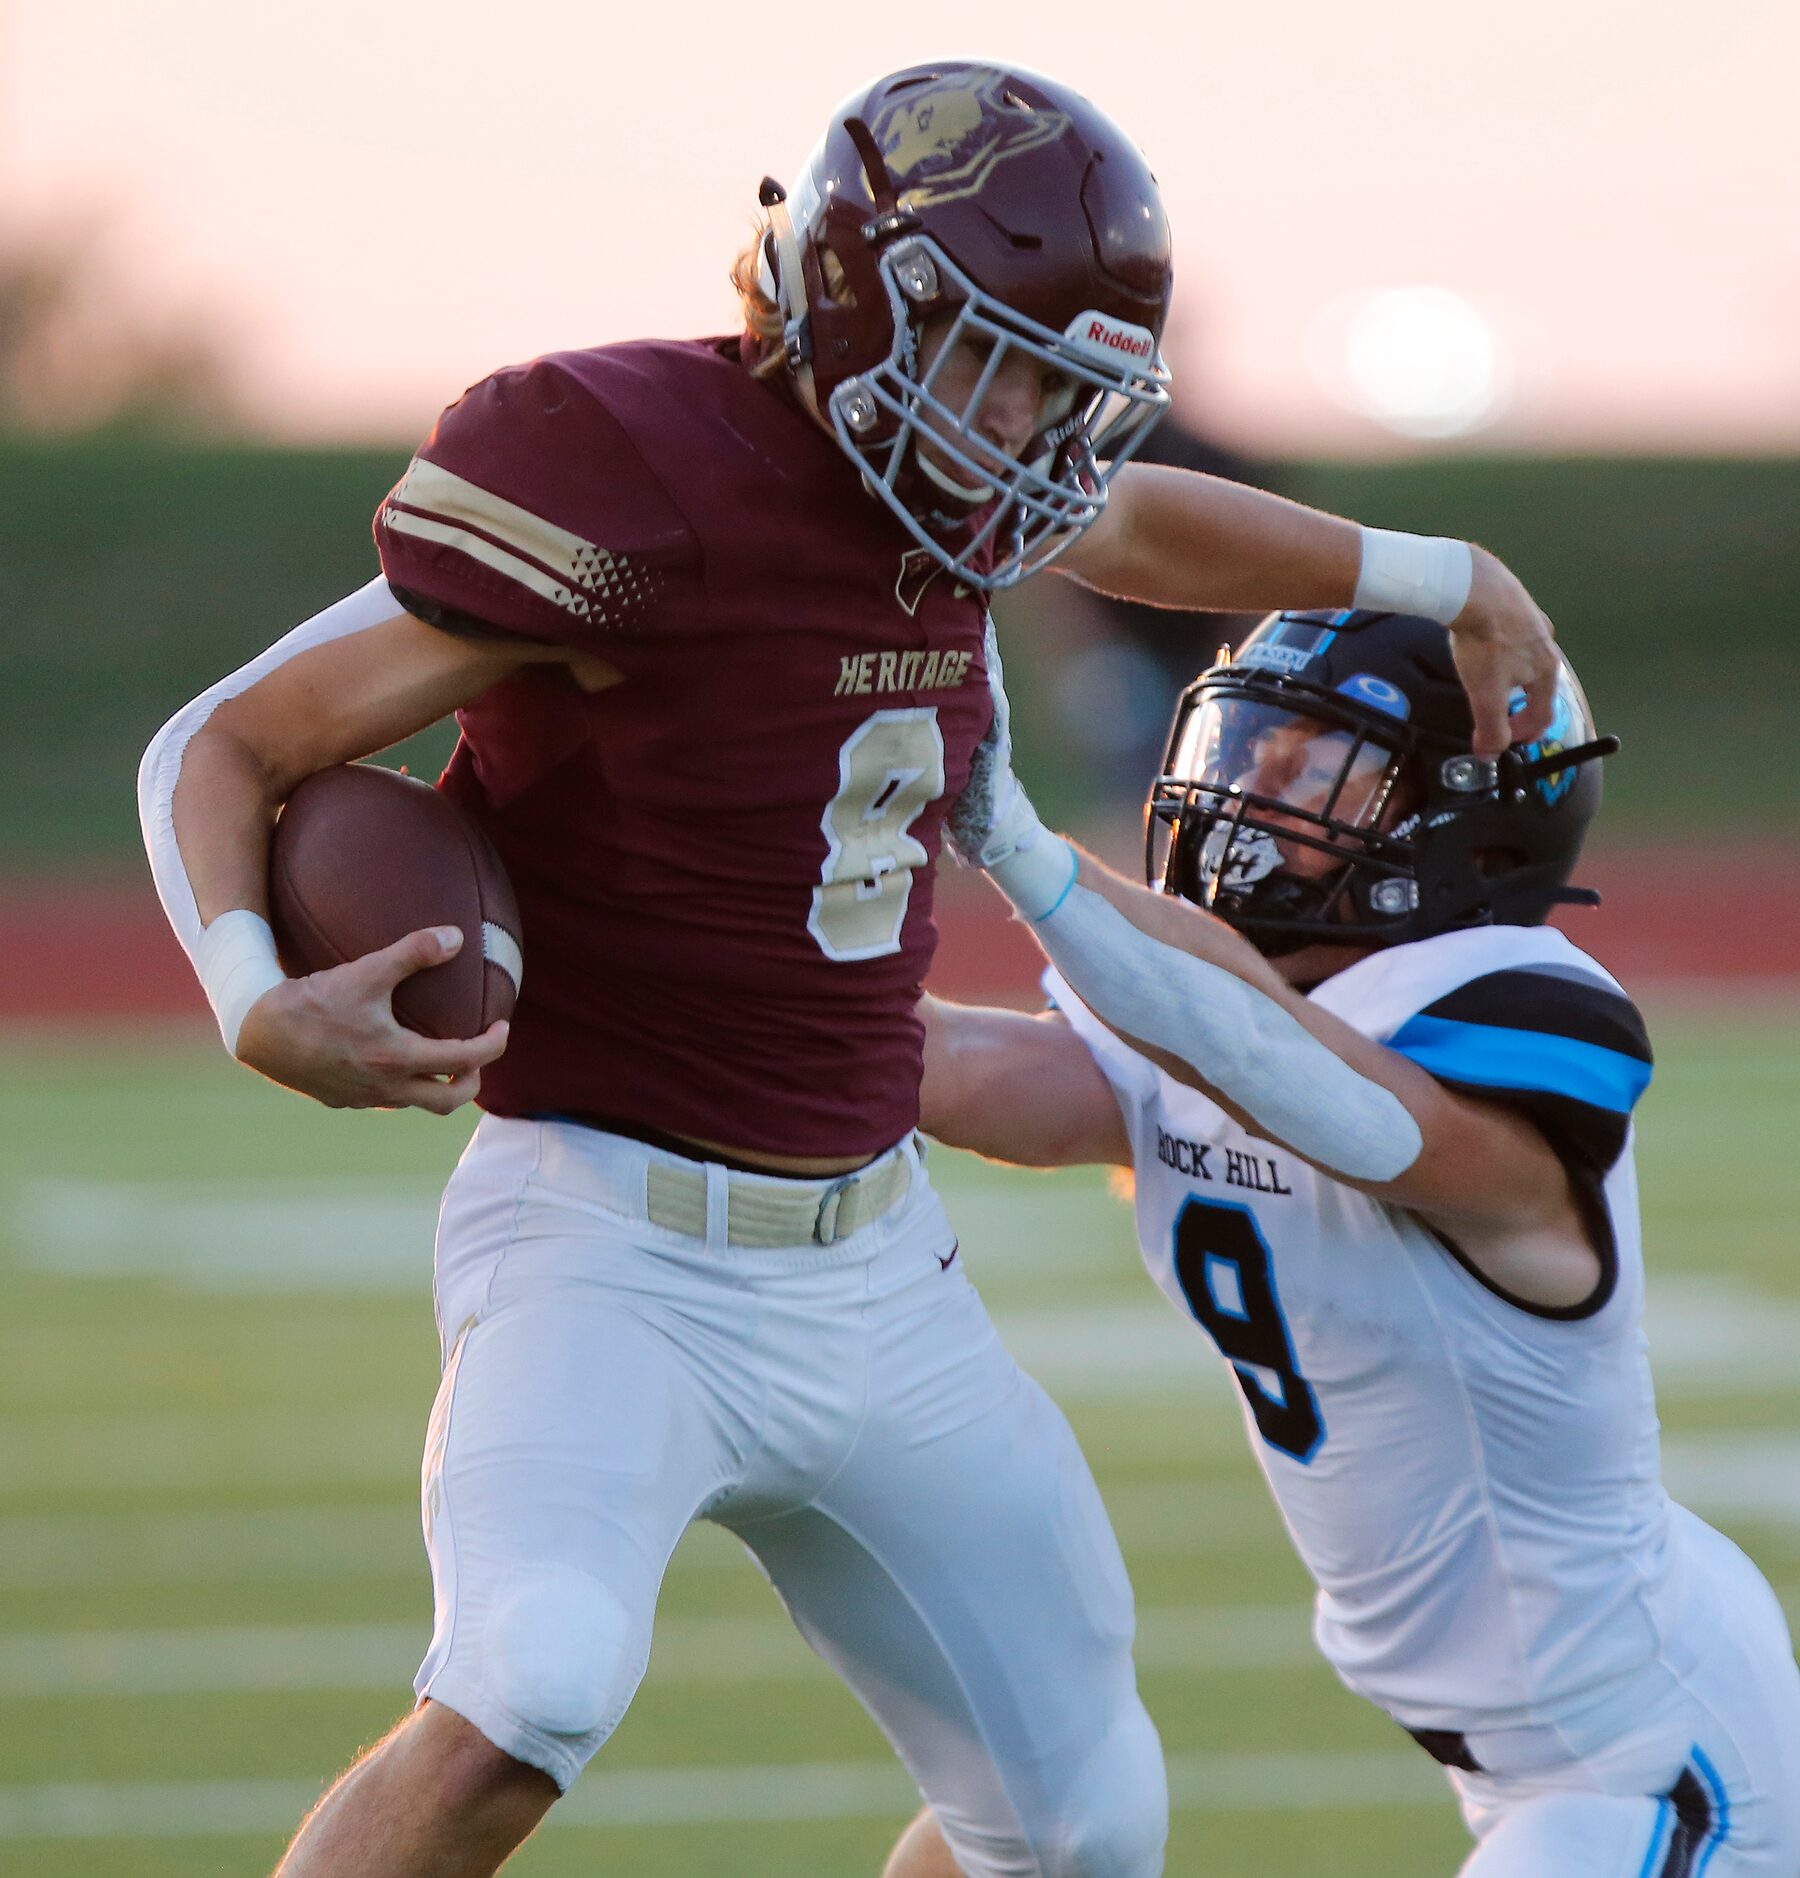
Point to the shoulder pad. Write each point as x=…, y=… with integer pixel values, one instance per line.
x=528, y=508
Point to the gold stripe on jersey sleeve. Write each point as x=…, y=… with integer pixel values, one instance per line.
x=454, y=498
x=526, y=573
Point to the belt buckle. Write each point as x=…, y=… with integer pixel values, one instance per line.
x=825, y=1230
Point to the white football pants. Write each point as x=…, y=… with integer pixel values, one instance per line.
x=1705, y=1777
x=848, y=1411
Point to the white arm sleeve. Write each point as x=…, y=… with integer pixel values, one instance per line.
x=161, y=768
x=1237, y=1039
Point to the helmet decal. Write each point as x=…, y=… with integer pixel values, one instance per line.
x=1238, y=857
x=1552, y=788
x=1291, y=646
x=943, y=143
x=1377, y=693
x=1104, y=334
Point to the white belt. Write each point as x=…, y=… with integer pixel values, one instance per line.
x=706, y=1200
x=766, y=1212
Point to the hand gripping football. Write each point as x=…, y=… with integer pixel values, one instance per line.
x=361, y=857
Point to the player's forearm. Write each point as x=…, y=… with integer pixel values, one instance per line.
x=1015, y=1088
x=207, y=805
x=203, y=807
x=1174, y=538
x=223, y=810
x=994, y=1128
x=1188, y=928
x=1180, y=539
x=1202, y=1004
x=1180, y=932
x=207, y=796
x=1223, y=1023
x=964, y=1097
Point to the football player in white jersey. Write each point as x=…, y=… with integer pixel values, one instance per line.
x=1380, y=1120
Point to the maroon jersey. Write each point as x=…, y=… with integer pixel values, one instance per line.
x=724, y=862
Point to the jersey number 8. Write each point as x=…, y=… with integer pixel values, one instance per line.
x=890, y=770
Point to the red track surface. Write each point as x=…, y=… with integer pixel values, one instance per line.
x=99, y=951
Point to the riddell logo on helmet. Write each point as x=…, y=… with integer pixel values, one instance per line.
x=1106, y=334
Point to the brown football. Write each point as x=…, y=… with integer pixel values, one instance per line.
x=361, y=857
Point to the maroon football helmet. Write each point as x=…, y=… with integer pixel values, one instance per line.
x=1022, y=215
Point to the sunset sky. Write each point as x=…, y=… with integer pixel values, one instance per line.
x=375, y=204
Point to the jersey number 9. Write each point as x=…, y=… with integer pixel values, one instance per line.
x=1222, y=1265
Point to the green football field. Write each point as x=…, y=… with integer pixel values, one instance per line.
x=217, y=1354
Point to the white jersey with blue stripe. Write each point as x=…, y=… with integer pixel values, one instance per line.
x=1472, y=1481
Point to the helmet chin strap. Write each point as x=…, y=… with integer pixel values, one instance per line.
x=790, y=284
x=957, y=492
x=890, y=218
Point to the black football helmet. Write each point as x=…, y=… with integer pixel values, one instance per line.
x=1320, y=786
x=1010, y=207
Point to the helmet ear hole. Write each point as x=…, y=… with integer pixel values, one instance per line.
x=837, y=282
x=1492, y=861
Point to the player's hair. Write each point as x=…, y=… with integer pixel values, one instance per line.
x=762, y=317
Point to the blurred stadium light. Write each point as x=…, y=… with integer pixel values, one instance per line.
x=1421, y=361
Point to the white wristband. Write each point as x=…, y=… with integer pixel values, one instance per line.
x=1427, y=576
x=237, y=963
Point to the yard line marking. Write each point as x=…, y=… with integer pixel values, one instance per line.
x=149, y=1451
x=231, y=1235
x=1225, y=1636
x=1709, y=1335
x=1106, y=1350
x=1737, y=1477
x=1197, y=1783
x=640, y=1797
x=1301, y=1782
x=307, y=1233
x=133, y=1810
x=65, y=1551
x=1729, y=1479
x=269, y=1659
x=308, y=1544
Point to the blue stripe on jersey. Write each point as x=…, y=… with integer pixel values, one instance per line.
x=1721, y=1808
x=1659, y=1835
x=1494, y=1058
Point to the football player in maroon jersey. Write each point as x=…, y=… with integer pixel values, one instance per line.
x=712, y=616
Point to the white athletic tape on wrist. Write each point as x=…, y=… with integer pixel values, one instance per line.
x=1240, y=1041
x=237, y=963
x=1038, y=878
x=1428, y=576
x=1033, y=867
